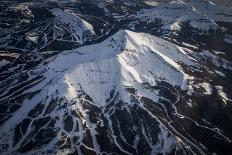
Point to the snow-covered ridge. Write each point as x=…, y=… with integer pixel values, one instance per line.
x=201, y=14
x=80, y=29
x=58, y=26
x=125, y=59
x=121, y=72
x=133, y=93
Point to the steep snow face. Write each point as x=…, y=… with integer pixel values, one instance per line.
x=132, y=93
x=80, y=29
x=122, y=92
x=100, y=79
x=124, y=60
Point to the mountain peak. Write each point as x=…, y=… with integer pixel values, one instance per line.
x=115, y=77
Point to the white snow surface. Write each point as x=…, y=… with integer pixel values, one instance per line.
x=78, y=26
x=125, y=59
x=223, y=95
x=4, y=62
x=202, y=15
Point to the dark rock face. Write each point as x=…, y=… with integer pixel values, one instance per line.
x=73, y=81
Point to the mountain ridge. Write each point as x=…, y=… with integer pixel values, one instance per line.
x=115, y=77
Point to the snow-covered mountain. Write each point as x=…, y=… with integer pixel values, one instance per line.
x=115, y=77
x=33, y=31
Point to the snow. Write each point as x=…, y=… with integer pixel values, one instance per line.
x=223, y=95
x=23, y=8
x=189, y=45
x=151, y=3
x=216, y=60
x=143, y=59
x=201, y=14
x=228, y=39
x=125, y=60
x=189, y=103
x=175, y=26
x=32, y=37
x=4, y=62
x=203, y=25
x=78, y=27
x=220, y=73
x=207, y=88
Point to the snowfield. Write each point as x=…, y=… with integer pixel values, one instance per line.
x=126, y=59
x=100, y=74
x=115, y=77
